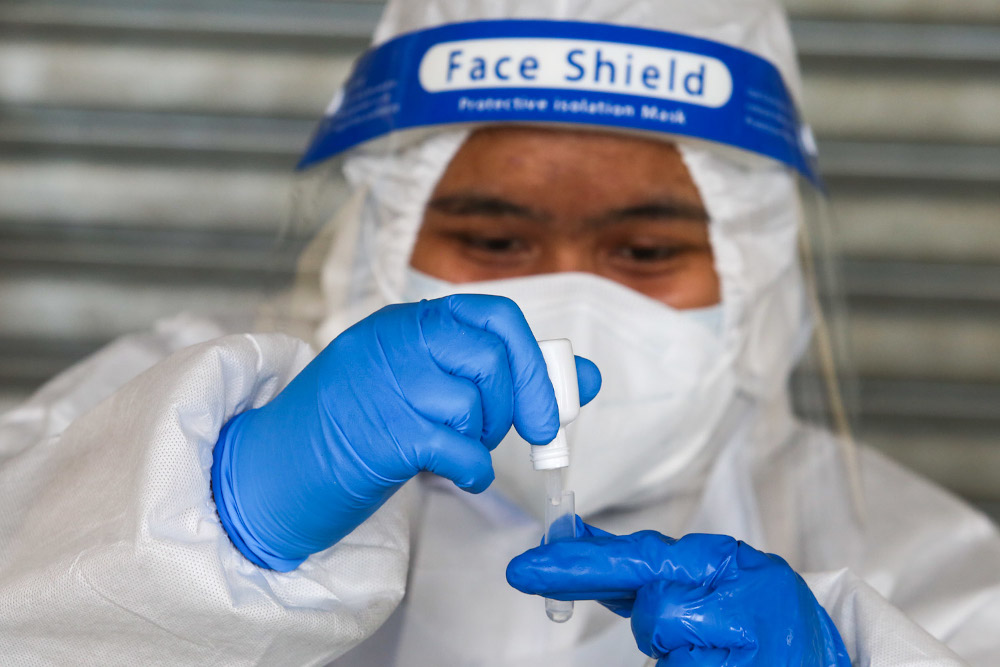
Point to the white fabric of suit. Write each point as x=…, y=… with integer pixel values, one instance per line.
x=111, y=551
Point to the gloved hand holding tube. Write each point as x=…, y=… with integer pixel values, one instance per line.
x=697, y=600
x=434, y=386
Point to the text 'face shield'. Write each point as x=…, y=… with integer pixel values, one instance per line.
x=564, y=72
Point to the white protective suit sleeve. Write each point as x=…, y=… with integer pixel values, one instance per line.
x=933, y=557
x=874, y=631
x=111, y=551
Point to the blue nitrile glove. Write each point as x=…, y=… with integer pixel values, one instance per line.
x=704, y=600
x=431, y=386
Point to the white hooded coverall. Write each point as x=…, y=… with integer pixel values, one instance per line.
x=111, y=551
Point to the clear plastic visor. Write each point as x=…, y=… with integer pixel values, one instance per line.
x=366, y=212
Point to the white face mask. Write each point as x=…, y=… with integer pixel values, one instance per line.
x=667, y=382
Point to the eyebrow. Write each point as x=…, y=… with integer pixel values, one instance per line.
x=665, y=208
x=475, y=204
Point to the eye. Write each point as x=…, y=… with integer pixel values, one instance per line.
x=646, y=257
x=649, y=253
x=492, y=244
x=496, y=244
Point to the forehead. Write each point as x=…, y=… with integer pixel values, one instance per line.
x=600, y=145
x=544, y=162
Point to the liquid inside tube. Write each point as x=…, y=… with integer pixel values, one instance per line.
x=560, y=524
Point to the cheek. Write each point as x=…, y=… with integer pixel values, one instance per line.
x=692, y=283
x=702, y=288
x=433, y=256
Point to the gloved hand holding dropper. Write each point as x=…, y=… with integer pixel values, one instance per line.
x=434, y=386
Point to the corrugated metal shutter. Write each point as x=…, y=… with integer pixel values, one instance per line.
x=146, y=148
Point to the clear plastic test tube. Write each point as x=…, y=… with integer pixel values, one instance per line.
x=560, y=524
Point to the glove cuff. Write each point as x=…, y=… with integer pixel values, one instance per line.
x=224, y=491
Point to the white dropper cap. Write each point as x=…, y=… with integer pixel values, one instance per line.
x=561, y=365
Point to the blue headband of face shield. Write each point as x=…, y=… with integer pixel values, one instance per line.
x=568, y=73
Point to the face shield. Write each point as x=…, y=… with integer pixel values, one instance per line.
x=409, y=108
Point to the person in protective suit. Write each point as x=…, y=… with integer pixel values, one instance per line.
x=625, y=174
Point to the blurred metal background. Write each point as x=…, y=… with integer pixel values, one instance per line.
x=146, y=149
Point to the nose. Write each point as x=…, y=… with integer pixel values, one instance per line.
x=566, y=257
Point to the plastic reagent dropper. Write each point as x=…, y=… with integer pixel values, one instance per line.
x=553, y=458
